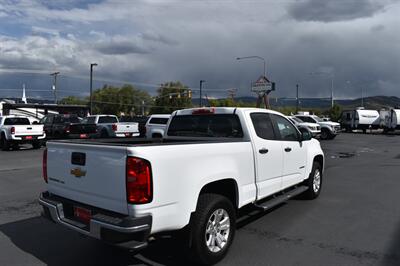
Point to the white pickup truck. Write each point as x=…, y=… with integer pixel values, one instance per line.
x=210, y=163
x=109, y=126
x=15, y=130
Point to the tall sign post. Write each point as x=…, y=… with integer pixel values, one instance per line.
x=263, y=87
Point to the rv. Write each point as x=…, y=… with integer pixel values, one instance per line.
x=360, y=119
x=391, y=120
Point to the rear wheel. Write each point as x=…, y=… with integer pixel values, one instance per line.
x=104, y=134
x=314, y=182
x=212, y=229
x=325, y=134
x=4, y=143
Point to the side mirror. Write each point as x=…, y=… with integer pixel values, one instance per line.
x=305, y=134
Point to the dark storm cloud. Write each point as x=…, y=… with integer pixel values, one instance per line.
x=120, y=48
x=329, y=11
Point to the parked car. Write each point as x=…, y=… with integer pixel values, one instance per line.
x=360, y=119
x=210, y=163
x=141, y=120
x=16, y=130
x=109, y=126
x=62, y=126
x=156, y=125
x=329, y=129
x=314, y=128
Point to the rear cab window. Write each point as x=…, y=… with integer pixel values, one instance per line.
x=159, y=120
x=107, y=120
x=206, y=125
x=16, y=121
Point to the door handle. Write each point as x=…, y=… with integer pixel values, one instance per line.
x=288, y=149
x=263, y=151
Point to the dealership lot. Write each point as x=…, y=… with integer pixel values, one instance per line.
x=356, y=220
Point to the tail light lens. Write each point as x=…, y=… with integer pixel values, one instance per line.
x=138, y=181
x=12, y=130
x=114, y=127
x=44, y=165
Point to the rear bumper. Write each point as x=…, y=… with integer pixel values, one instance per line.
x=123, y=231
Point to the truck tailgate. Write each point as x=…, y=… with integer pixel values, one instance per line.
x=93, y=175
x=127, y=128
x=28, y=130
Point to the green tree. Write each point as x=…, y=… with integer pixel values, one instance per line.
x=335, y=112
x=73, y=100
x=119, y=100
x=172, y=96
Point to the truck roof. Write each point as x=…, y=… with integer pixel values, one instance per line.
x=221, y=110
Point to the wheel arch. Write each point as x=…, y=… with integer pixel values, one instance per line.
x=226, y=187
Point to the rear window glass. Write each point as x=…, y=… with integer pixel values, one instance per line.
x=16, y=121
x=66, y=119
x=107, y=119
x=159, y=120
x=89, y=120
x=215, y=125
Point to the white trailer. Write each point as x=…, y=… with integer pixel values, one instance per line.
x=391, y=120
x=360, y=119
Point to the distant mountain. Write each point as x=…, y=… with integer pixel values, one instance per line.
x=373, y=102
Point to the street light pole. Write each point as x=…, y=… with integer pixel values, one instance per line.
x=297, y=98
x=54, y=74
x=255, y=57
x=91, y=87
x=201, y=87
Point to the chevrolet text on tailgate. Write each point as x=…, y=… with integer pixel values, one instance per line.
x=210, y=163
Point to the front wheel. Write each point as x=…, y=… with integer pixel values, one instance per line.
x=212, y=229
x=314, y=182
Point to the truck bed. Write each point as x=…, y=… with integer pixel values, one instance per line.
x=148, y=142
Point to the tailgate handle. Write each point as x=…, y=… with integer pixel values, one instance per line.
x=78, y=158
x=28, y=128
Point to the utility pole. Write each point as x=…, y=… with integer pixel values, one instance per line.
x=201, y=87
x=362, y=97
x=297, y=98
x=91, y=87
x=142, y=108
x=54, y=74
x=332, y=103
x=232, y=93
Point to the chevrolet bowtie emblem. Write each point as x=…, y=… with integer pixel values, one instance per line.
x=78, y=172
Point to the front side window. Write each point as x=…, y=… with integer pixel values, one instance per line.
x=263, y=126
x=285, y=129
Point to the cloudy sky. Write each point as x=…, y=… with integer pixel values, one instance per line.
x=147, y=42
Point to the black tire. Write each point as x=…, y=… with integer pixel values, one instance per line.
x=5, y=144
x=207, y=205
x=325, y=134
x=312, y=192
x=37, y=144
x=157, y=136
x=104, y=134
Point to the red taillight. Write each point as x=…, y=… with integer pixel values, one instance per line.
x=203, y=111
x=12, y=130
x=44, y=165
x=114, y=127
x=138, y=181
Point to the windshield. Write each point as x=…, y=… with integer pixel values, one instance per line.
x=297, y=120
x=317, y=118
x=219, y=126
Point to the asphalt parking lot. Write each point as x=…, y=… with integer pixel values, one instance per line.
x=355, y=221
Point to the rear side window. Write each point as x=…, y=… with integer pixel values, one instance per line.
x=306, y=119
x=66, y=119
x=107, y=119
x=213, y=125
x=159, y=121
x=14, y=121
x=263, y=125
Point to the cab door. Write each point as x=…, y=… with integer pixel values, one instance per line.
x=268, y=155
x=294, y=151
